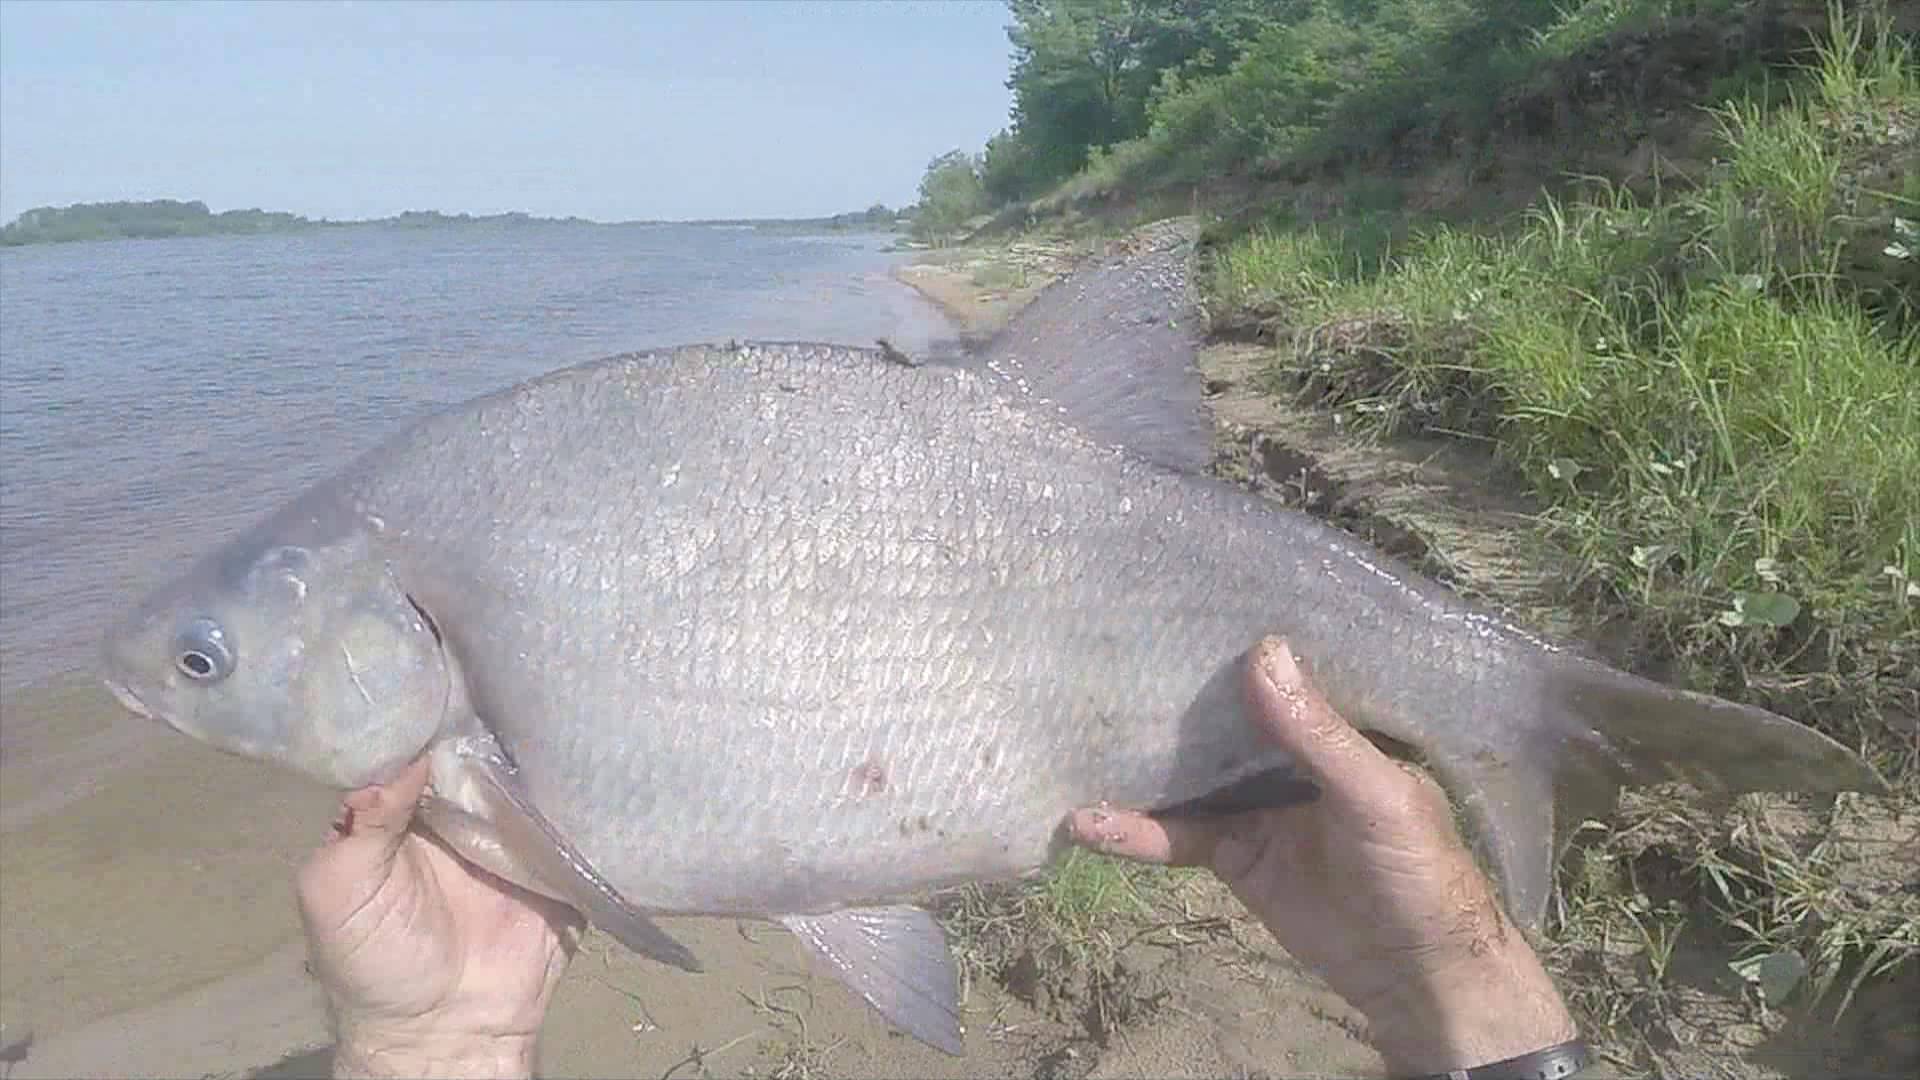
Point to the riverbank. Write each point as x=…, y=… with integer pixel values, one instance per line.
x=1619, y=335
x=980, y=288
x=1639, y=943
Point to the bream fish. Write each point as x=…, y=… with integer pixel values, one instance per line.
x=800, y=632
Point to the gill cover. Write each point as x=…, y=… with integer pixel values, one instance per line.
x=373, y=687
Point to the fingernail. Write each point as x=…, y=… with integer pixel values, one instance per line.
x=1277, y=663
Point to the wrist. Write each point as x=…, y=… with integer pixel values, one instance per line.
x=407, y=1054
x=1491, y=1009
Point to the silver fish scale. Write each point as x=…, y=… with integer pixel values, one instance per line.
x=785, y=629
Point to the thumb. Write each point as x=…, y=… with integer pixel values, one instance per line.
x=379, y=813
x=1295, y=715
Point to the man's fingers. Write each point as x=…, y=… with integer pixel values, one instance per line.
x=387, y=808
x=1129, y=835
x=372, y=822
x=1296, y=716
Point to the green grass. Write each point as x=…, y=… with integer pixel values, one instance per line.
x=1058, y=939
x=1000, y=275
x=1713, y=393
x=1718, y=417
x=1278, y=272
x=1072, y=910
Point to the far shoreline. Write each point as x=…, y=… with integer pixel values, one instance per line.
x=167, y=219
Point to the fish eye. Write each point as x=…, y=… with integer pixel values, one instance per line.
x=201, y=651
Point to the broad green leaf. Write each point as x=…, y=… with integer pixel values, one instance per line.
x=1775, y=974
x=1767, y=608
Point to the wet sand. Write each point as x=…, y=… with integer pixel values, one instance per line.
x=149, y=921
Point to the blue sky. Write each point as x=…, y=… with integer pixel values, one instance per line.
x=729, y=108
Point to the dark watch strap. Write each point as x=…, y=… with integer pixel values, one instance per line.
x=1552, y=1063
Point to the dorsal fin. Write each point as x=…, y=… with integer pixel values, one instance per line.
x=1110, y=349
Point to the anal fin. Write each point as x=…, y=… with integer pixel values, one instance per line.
x=482, y=790
x=896, y=959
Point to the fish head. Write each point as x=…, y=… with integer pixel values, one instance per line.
x=295, y=646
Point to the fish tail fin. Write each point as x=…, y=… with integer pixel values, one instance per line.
x=1604, y=729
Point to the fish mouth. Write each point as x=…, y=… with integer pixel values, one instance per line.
x=129, y=700
x=132, y=703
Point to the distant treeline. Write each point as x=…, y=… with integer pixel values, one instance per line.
x=877, y=216
x=160, y=217
x=173, y=217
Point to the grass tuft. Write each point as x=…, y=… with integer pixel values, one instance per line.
x=1063, y=940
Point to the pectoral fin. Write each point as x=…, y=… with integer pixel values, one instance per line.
x=897, y=960
x=475, y=839
x=482, y=791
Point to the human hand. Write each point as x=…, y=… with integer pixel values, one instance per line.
x=431, y=966
x=1370, y=885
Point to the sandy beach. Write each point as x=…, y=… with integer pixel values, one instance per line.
x=146, y=884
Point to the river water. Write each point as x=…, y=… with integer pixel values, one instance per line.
x=157, y=395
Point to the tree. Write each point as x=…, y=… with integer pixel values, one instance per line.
x=1085, y=71
x=1009, y=169
x=950, y=194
